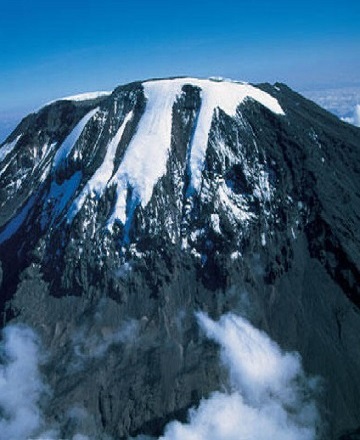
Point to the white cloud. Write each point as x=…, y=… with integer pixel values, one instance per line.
x=21, y=386
x=343, y=102
x=357, y=115
x=340, y=101
x=269, y=397
x=94, y=343
x=355, y=118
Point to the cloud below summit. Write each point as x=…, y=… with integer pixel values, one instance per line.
x=355, y=118
x=270, y=396
x=20, y=383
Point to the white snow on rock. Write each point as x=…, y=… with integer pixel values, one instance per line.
x=63, y=193
x=17, y=221
x=146, y=157
x=7, y=148
x=86, y=96
x=101, y=177
x=263, y=239
x=227, y=96
x=215, y=223
x=81, y=97
x=236, y=207
x=72, y=138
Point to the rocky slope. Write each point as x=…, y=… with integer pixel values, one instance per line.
x=123, y=214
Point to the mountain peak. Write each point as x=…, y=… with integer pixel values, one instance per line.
x=145, y=159
x=166, y=198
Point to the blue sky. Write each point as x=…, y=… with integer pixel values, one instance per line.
x=55, y=48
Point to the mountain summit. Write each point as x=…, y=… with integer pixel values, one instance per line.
x=136, y=210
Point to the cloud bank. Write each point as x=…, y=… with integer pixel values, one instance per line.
x=21, y=386
x=355, y=118
x=270, y=396
x=343, y=102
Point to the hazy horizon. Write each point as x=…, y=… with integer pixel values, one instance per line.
x=342, y=101
x=50, y=50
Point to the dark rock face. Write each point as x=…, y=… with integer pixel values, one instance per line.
x=276, y=218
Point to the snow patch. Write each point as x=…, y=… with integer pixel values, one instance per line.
x=15, y=224
x=86, y=96
x=72, y=138
x=263, y=190
x=82, y=97
x=146, y=156
x=235, y=255
x=215, y=223
x=98, y=182
x=227, y=96
x=234, y=205
x=263, y=239
x=59, y=196
x=7, y=148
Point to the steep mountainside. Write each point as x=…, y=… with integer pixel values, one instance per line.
x=126, y=213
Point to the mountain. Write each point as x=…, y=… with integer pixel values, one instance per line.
x=124, y=215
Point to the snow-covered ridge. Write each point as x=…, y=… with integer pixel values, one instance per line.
x=146, y=156
x=7, y=148
x=227, y=96
x=145, y=159
x=81, y=97
x=72, y=138
x=99, y=181
x=86, y=96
